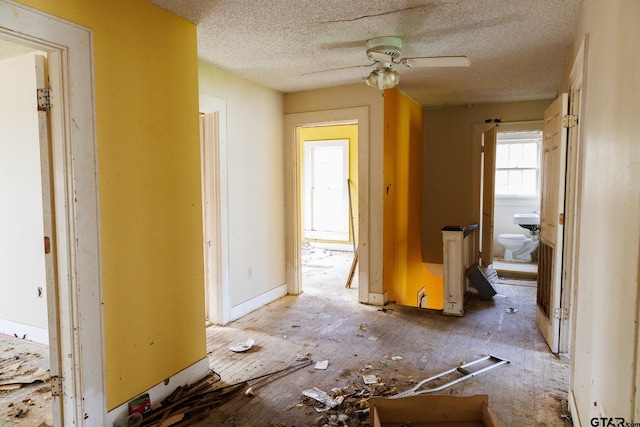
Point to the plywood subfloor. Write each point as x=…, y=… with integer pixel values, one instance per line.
x=328, y=324
x=29, y=405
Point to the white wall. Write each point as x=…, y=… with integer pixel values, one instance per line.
x=22, y=266
x=605, y=358
x=255, y=186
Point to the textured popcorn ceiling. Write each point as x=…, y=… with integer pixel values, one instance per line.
x=518, y=48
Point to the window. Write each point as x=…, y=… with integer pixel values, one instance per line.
x=518, y=163
x=326, y=203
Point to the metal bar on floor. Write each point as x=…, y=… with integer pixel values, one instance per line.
x=461, y=369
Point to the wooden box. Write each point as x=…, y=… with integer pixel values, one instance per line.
x=432, y=410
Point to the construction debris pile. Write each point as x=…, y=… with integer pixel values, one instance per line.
x=348, y=406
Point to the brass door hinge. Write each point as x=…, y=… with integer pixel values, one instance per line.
x=569, y=121
x=562, y=313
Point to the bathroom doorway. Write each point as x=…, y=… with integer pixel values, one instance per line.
x=517, y=200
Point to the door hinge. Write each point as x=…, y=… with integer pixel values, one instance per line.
x=569, y=121
x=44, y=99
x=56, y=385
x=562, y=313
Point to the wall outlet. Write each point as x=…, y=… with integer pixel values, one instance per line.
x=249, y=272
x=422, y=298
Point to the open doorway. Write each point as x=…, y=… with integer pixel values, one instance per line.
x=213, y=153
x=294, y=125
x=329, y=211
x=26, y=217
x=72, y=250
x=516, y=211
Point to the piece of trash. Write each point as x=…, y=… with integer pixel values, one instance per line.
x=370, y=379
x=363, y=413
x=373, y=338
x=363, y=327
x=302, y=357
x=242, y=346
x=396, y=357
x=339, y=399
x=364, y=403
x=322, y=397
x=249, y=392
x=512, y=310
x=322, y=364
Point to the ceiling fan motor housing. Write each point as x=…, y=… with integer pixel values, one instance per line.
x=389, y=45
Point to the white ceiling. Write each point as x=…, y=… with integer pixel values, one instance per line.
x=518, y=48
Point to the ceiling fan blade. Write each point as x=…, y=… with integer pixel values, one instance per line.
x=437, y=61
x=338, y=69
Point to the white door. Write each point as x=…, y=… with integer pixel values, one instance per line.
x=487, y=195
x=27, y=259
x=554, y=162
x=213, y=153
x=326, y=170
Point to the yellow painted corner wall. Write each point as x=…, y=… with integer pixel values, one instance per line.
x=146, y=100
x=404, y=273
x=350, y=132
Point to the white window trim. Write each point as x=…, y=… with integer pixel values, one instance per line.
x=529, y=126
x=308, y=146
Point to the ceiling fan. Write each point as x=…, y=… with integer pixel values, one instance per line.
x=386, y=51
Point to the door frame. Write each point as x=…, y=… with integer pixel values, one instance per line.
x=293, y=215
x=478, y=130
x=572, y=200
x=80, y=332
x=215, y=206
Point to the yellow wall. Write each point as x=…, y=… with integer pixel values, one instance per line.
x=146, y=98
x=349, y=132
x=404, y=273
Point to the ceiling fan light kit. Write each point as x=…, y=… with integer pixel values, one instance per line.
x=385, y=51
x=383, y=78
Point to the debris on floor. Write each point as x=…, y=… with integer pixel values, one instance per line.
x=190, y=403
x=242, y=346
x=324, y=364
x=344, y=406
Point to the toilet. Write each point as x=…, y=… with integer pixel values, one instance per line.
x=517, y=247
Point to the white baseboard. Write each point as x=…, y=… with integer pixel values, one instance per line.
x=162, y=390
x=31, y=333
x=378, y=299
x=255, y=303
